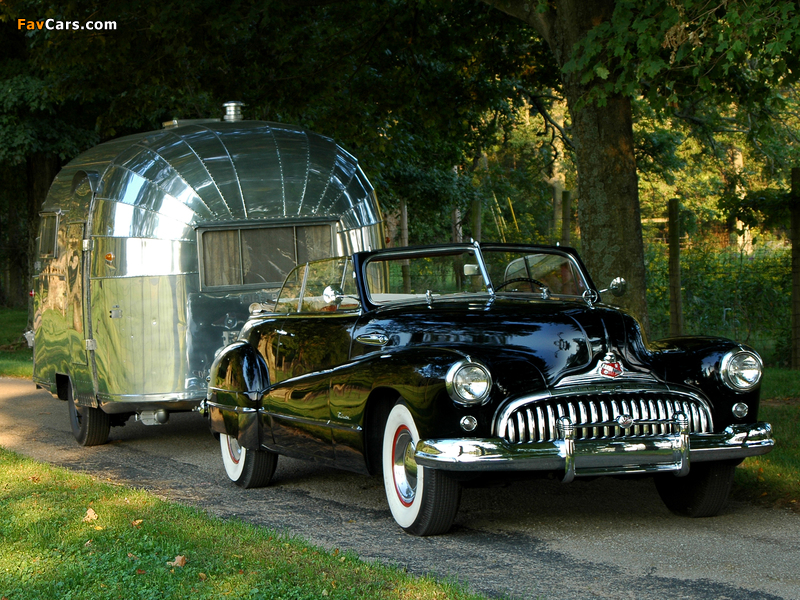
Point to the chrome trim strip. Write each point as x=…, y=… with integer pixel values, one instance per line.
x=192, y=396
x=229, y=408
x=593, y=377
x=300, y=420
x=484, y=271
x=596, y=457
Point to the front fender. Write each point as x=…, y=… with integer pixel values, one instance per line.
x=418, y=375
x=238, y=379
x=696, y=362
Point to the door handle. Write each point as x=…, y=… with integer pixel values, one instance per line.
x=373, y=339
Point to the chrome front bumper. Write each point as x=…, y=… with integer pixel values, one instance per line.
x=611, y=456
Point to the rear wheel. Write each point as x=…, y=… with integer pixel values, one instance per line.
x=247, y=468
x=423, y=501
x=702, y=493
x=90, y=426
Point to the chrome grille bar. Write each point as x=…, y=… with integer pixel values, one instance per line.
x=594, y=416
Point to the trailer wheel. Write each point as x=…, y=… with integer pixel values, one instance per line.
x=90, y=426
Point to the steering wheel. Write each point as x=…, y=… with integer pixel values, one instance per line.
x=518, y=279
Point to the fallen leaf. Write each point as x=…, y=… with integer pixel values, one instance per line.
x=140, y=571
x=33, y=479
x=98, y=528
x=90, y=515
x=88, y=543
x=132, y=556
x=180, y=561
x=202, y=576
x=136, y=523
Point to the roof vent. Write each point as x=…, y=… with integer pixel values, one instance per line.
x=233, y=111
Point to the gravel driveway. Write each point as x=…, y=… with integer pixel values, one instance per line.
x=607, y=538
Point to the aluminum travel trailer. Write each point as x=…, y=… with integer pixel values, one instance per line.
x=153, y=246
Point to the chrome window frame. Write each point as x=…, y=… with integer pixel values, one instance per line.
x=238, y=228
x=478, y=250
x=44, y=215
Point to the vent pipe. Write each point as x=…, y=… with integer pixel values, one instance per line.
x=233, y=111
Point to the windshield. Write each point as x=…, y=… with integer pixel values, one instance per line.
x=526, y=271
x=458, y=272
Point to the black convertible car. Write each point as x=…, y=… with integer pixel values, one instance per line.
x=432, y=365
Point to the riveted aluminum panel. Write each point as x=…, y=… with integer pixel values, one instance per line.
x=154, y=328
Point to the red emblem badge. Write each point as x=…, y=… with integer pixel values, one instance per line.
x=611, y=367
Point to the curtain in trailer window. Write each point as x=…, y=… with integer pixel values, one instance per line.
x=221, y=259
x=261, y=256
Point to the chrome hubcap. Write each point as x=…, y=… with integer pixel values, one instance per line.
x=234, y=449
x=404, y=466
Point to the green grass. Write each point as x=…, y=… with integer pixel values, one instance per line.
x=16, y=359
x=774, y=479
x=51, y=549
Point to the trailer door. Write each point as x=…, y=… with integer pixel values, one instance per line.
x=75, y=324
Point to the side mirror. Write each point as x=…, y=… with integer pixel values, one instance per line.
x=471, y=270
x=332, y=295
x=618, y=287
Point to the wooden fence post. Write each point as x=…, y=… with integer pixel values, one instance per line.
x=794, y=203
x=675, y=302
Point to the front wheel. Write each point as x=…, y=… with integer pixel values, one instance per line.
x=423, y=501
x=90, y=426
x=247, y=468
x=702, y=493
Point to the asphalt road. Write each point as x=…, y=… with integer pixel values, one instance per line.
x=606, y=538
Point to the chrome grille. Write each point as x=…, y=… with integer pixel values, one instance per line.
x=537, y=421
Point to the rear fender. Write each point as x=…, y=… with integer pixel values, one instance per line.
x=238, y=379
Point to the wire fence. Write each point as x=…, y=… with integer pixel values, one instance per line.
x=745, y=296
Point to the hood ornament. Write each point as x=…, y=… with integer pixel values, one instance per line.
x=611, y=367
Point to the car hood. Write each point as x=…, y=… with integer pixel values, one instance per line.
x=558, y=337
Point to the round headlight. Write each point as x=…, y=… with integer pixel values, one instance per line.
x=741, y=370
x=468, y=382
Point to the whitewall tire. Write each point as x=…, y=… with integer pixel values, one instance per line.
x=423, y=501
x=246, y=468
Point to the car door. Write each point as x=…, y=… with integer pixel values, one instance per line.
x=311, y=341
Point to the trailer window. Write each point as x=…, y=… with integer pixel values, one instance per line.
x=261, y=256
x=48, y=232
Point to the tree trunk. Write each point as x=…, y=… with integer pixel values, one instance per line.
x=608, y=211
x=477, y=219
x=795, y=209
x=566, y=217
